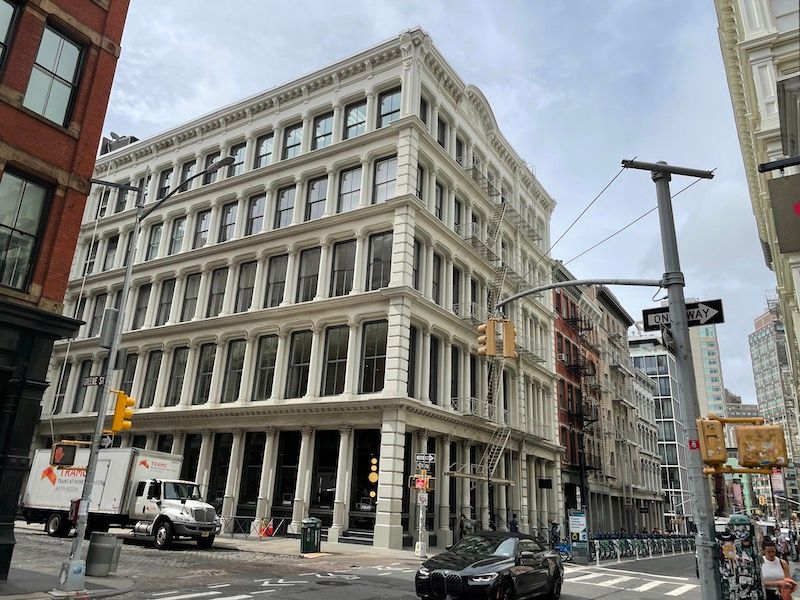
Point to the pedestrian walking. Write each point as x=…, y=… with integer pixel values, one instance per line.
x=461, y=523
x=555, y=534
x=513, y=524
x=778, y=585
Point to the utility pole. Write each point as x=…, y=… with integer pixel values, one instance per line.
x=661, y=173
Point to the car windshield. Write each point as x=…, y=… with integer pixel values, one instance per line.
x=174, y=490
x=478, y=544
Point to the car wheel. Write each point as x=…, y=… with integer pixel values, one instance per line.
x=57, y=525
x=509, y=593
x=205, y=542
x=163, y=535
x=555, y=589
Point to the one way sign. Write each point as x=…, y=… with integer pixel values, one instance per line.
x=707, y=312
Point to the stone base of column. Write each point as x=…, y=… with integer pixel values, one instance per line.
x=298, y=514
x=444, y=537
x=388, y=536
x=335, y=530
x=227, y=514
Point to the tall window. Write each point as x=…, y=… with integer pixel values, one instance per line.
x=122, y=200
x=54, y=78
x=177, y=235
x=292, y=139
x=308, y=275
x=128, y=250
x=201, y=228
x=7, y=10
x=111, y=252
x=315, y=202
x=379, y=265
x=67, y=369
x=323, y=131
x=22, y=204
x=129, y=372
x=284, y=207
x=142, y=300
x=219, y=277
x=263, y=150
x=165, y=301
x=460, y=151
x=438, y=203
x=244, y=291
x=227, y=222
x=412, y=362
x=433, y=386
x=180, y=356
x=97, y=314
x=420, y=182
x=80, y=390
x=344, y=265
x=349, y=189
x=153, y=241
x=187, y=171
x=423, y=110
x=233, y=370
x=276, y=279
x=91, y=256
x=151, y=378
x=355, y=119
x=237, y=152
x=265, y=366
x=436, y=287
x=385, y=175
x=164, y=183
x=373, y=356
x=441, y=132
x=335, y=360
x=102, y=204
x=205, y=368
x=189, y=307
x=80, y=307
x=388, y=107
x=457, y=209
x=210, y=159
x=299, y=361
x=456, y=289
x=255, y=214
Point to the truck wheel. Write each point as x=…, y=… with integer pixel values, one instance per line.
x=164, y=535
x=57, y=525
x=205, y=542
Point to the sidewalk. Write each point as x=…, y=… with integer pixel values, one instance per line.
x=23, y=584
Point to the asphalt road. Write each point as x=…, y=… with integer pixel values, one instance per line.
x=187, y=573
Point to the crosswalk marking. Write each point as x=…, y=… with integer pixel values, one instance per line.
x=648, y=586
x=585, y=577
x=614, y=581
x=166, y=593
x=239, y=597
x=681, y=590
x=195, y=595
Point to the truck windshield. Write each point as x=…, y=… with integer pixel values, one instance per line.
x=181, y=491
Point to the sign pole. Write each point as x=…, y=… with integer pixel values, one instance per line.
x=421, y=549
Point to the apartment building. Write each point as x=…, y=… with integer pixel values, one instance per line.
x=57, y=63
x=304, y=322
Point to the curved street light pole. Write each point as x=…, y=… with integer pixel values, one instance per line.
x=73, y=570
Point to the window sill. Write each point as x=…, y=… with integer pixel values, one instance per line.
x=73, y=131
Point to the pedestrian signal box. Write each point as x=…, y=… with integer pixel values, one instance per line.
x=63, y=455
x=761, y=446
x=712, y=442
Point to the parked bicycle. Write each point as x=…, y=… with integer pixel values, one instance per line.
x=565, y=551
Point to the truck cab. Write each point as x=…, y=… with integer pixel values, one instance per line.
x=170, y=509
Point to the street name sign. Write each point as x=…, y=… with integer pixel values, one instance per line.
x=94, y=380
x=424, y=460
x=707, y=312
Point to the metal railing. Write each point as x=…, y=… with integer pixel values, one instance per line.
x=251, y=527
x=604, y=546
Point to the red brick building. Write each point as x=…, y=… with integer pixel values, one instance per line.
x=57, y=63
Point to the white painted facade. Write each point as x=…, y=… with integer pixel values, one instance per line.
x=368, y=351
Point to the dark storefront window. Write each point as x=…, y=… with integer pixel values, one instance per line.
x=219, y=469
x=364, y=490
x=323, y=485
x=251, y=473
x=286, y=473
x=191, y=455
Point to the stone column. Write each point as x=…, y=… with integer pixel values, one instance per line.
x=447, y=374
x=178, y=441
x=324, y=272
x=482, y=498
x=352, y=367
x=217, y=375
x=365, y=198
x=425, y=375
x=315, y=364
x=502, y=505
x=281, y=360
x=163, y=378
x=289, y=286
x=545, y=507
x=444, y=535
x=339, y=503
x=388, y=524
x=397, y=347
x=230, y=290
x=533, y=495
x=202, y=295
x=248, y=378
x=260, y=285
x=524, y=493
x=150, y=443
x=299, y=202
x=303, y=470
x=330, y=196
x=403, y=246
x=204, y=461
x=427, y=272
x=465, y=483
x=231, y=487
x=190, y=375
x=360, y=261
x=338, y=123
x=267, y=482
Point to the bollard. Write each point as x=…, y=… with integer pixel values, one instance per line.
x=616, y=548
x=636, y=549
x=663, y=545
x=672, y=543
x=649, y=543
x=597, y=552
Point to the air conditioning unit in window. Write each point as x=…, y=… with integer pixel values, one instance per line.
x=563, y=358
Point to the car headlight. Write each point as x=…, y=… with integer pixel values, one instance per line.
x=485, y=578
x=183, y=517
x=423, y=572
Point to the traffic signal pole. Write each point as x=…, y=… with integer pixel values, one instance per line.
x=73, y=570
x=661, y=173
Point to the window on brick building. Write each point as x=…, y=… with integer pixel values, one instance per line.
x=7, y=16
x=22, y=206
x=54, y=77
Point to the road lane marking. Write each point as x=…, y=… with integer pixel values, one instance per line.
x=648, y=586
x=641, y=574
x=681, y=590
x=585, y=577
x=239, y=597
x=612, y=582
x=166, y=593
x=187, y=596
x=218, y=585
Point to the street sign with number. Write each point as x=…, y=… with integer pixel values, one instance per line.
x=94, y=380
x=707, y=312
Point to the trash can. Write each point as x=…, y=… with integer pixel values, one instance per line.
x=100, y=556
x=310, y=535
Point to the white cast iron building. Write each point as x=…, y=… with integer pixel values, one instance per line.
x=310, y=313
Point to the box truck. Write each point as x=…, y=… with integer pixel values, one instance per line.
x=133, y=488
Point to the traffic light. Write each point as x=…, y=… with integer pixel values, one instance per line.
x=487, y=343
x=712, y=442
x=123, y=411
x=761, y=446
x=509, y=339
x=63, y=454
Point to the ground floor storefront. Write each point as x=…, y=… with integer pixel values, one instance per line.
x=349, y=466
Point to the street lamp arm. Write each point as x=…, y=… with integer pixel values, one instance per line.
x=576, y=283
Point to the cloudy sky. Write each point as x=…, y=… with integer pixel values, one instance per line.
x=576, y=86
